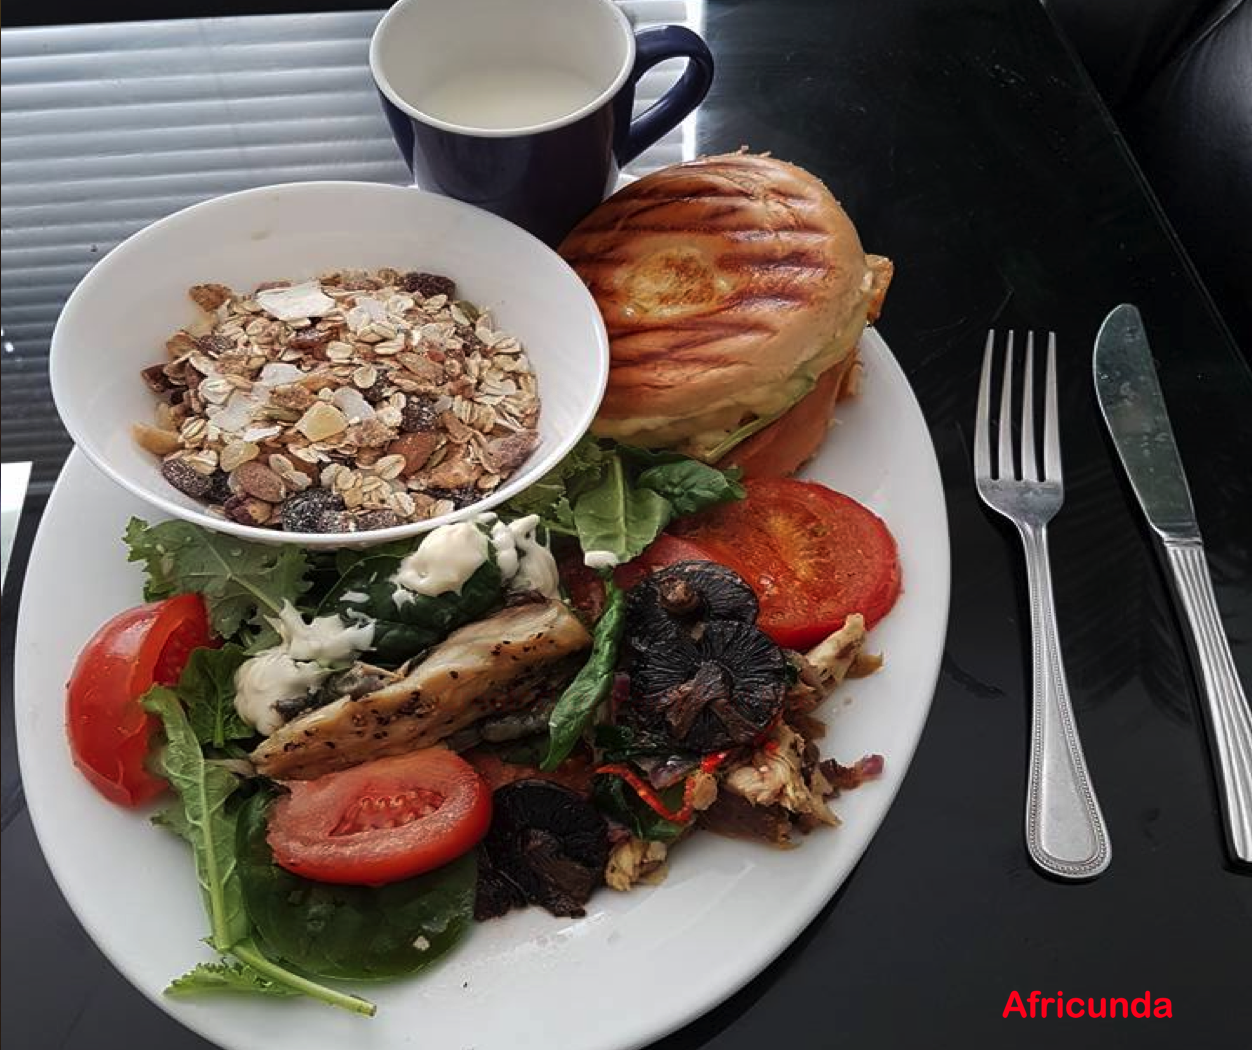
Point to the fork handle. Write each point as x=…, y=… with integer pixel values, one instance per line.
x=1065, y=831
x=1227, y=706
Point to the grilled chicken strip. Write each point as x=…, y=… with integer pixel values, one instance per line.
x=478, y=670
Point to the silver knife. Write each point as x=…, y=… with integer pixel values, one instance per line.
x=1130, y=398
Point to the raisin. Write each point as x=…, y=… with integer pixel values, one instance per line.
x=184, y=477
x=419, y=414
x=429, y=284
x=219, y=489
x=311, y=511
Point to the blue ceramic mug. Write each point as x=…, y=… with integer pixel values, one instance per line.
x=523, y=107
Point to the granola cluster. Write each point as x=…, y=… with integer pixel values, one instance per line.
x=356, y=401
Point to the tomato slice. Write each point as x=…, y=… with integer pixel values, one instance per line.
x=812, y=555
x=108, y=729
x=383, y=821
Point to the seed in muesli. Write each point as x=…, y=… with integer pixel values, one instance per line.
x=355, y=401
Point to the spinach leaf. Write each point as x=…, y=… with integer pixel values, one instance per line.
x=242, y=583
x=691, y=486
x=577, y=705
x=229, y=976
x=622, y=743
x=207, y=689
x=203, y=790
x=615, y=516
x=408, y=627
x=351, y=932
x=613, y=797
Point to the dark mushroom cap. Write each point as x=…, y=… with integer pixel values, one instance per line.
x=679, y=596
x=724, y=688
x=547, y=845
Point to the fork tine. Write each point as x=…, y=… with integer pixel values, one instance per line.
x=1005, y=470
x=1030, y=471
x=982, y=420
x=1051, y=437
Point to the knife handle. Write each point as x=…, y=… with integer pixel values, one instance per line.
x=1065, y=831
x=1227, y=706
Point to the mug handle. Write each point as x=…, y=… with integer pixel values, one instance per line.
x=653, y=46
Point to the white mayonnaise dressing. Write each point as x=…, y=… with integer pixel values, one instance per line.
x=451, y=554
x=536, y=568
x=267, y=678
x=446, y=559
x=600, y=560
x=290, y=669
x=326, y=640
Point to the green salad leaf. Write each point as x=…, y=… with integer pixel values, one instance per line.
x=242, y=583
x=230, y=976
x=619, y=517
x=351, y=932
x=202, y=790
x=618, y=498
x=691, y=486
x=403, y=629
x=577, y=705
x=552, y=496
x=207, y=689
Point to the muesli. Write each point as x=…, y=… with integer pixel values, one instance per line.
x=350, y=402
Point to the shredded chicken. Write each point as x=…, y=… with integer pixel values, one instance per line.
x=776, y=774
x=633, y=861
x=834, y=657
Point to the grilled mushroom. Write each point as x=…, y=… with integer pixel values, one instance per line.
x=721, y=689
x=546, y=846
x=679, y=597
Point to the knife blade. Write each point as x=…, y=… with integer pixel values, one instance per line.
x=1134, y=410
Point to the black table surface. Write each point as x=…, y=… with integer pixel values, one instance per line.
x=970, y=148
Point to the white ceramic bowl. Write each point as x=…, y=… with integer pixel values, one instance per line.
x=117, y=320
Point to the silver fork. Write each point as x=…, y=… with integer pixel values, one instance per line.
x=1065, y=831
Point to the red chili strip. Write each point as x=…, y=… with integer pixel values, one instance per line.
x=653, y=801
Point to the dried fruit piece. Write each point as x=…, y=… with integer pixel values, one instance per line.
x=247, y=510
x=184, y=477
x=428, y=285
x=158, y=442
x=237, y=453
x=311, y=510
x=158, y=379
x=322, y=421
x=419, y=413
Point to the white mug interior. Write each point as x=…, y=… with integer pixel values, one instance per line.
x=420, y=44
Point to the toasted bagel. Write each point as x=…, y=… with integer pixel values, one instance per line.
x=728, y=285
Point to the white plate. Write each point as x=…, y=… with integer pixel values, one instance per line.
x=527, y=981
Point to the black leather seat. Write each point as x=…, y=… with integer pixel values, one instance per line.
x=1177, y=77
